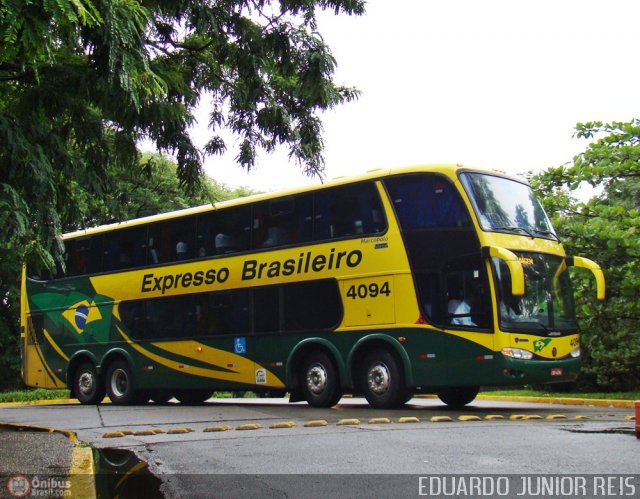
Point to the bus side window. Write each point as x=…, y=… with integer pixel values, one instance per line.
x=353, y=210
x=173, y=240
x=125, y=249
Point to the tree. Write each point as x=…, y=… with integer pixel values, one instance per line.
x=82, y=81
x=607, y=228
x=146, y=188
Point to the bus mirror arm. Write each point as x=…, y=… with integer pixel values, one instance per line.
x=514, y=264
x=585, y=263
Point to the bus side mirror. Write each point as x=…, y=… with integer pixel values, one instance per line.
x=514, y=265
x=585, y=263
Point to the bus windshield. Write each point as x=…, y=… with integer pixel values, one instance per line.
x=547, y=305
x=505, y=205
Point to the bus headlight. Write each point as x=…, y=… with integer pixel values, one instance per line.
x=517, y=353
x=575, y=353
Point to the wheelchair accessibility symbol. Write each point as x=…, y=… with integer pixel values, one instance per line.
x=240, y=345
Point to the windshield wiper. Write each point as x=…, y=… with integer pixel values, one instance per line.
x=548, y=233
x=516, y=229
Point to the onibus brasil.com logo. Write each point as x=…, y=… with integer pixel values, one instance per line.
x=23, y=486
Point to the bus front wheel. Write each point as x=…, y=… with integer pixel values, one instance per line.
x=87, y=386
x=457, y=397
x=383, y=381
x=120, y=383
x=319, y=380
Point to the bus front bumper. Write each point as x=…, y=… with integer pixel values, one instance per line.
x=540, y=371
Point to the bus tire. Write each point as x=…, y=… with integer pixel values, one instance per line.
x=120, y=383
x=383, y=380
x=87, y=385
x=457, y=397
x=320, y=381
x=193, y=397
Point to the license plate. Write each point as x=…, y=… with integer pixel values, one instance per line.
x=556, y=371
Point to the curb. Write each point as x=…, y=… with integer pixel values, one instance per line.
x=561, y=400
x=82, y=467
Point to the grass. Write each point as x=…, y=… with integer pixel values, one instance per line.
x=45, y=394
x=31, y=395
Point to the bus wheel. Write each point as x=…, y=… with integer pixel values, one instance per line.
x=193, y=397
x=120, y=383
x=319, y=381
x=87, y=386
x=457, y=397
x=383, y=381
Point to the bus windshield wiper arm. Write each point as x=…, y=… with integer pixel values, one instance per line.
x=548, y=233
x=516, y=229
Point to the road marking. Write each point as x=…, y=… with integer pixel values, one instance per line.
x=283, y=424
x=469, y=418
x=224, y=427
x=315, y=423
x=440, y=419
x=493, y=417
x=553, y=417
x=81, y=473
x=113, y=434
x=409, y=419
x=348, y=422
x=249, y=426
x=379, y=421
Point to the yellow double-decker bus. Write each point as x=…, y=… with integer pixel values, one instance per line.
x=429, y=279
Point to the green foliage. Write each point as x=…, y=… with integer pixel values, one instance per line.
x=605, y=228
x=83, y=81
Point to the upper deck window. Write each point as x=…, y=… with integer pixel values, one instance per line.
x=505, y=205
x=427, y=201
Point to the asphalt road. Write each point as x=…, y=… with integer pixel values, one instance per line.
x=350, y=456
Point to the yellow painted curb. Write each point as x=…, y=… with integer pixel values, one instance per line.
x=494, y=417
x=157, y=431
x=315, y=422
x=81, y=473
x=409, y=419
x=440, y=419
x=560, y=400
x=348, y=422
x=224, y=427
x=629, y=418
x=579, y=416
x=249, y=426
x=113, y=434
x=517, y=417
x=283, y=424
x=379, y=421
x=469, y=418
x=553, y=417
x=533, y=416
x=126, y=432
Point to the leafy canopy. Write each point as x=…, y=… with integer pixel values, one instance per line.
x=605, y=228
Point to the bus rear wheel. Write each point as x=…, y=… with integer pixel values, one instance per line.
x=87, y=386
x=457, y=397
x=383, y=380
x=120, y=383
x=320, y=381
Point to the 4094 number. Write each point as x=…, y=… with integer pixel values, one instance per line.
x=361, y=291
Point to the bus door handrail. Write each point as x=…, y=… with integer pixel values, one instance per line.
x=513, y=263
x=585, y=263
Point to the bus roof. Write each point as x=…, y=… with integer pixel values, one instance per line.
x=449, y=169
